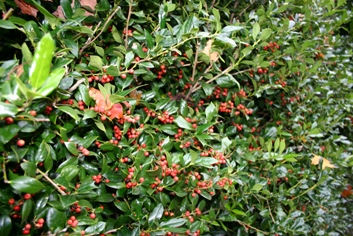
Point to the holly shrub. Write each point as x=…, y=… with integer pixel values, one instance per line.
x=176, y=117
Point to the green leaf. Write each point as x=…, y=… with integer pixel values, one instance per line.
x=96, y=62
x=257, y=187
x=6, y=225
x=72, y=112
x=26, y=184
x=67, y=8
x=26, y=53
x=7, y=109
x=149, y=39
x=55, y=219
x=128, y=58
x=282, y=146
x=96, y=228
x=156, y=214
x=5, y=24
x=71, y=147
x=182, y=123
x=43, y=152
x=227, y=81
x=72, y=45
x=116, y=35
x=122, y=206
x=173, y=223
x=255, y=30
x=210, y=112
x=231, y=28
x=206, y=162
x=8, y=132
x=26, y=209
x=265, y=34
x=217, y=17
x=40, y=67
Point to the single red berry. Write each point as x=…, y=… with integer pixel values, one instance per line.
x=33, y=112
x=40, y=221
x=17, y=208
x=123, y=76
x=11, y=201
x=9, y=120
x=21, y=142
x=92, y=216
x=28, y=226
x=27, y=196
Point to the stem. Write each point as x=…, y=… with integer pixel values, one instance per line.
x=89, y=42
x=242, y=12
x=197, y=84
x=7, y=14
x=195, y=62
x=252, y=227
x=232, y=15
x=127, y=24
x=4, y=171
x=76, y=84
x=50, y=181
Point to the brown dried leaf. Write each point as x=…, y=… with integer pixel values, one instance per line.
x=26, y=8
x=136, y=95
x=325, y=163
x=59, y=13
x=89, y=3
x=19, y=70
x=101, y=101
x=207, y=50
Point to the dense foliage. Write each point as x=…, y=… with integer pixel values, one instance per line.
x=176, y=118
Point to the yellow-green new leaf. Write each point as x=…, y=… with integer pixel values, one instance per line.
x=40, y=67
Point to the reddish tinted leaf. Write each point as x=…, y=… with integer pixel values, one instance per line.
x=116, y=111
x=26, y=8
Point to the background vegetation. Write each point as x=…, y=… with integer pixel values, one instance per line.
x=176, y=118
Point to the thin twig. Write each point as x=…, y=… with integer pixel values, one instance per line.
x=242, y=12
x=51, y=182
x=212, y=4
x=269, y=208
x=41, y=119
x=233, y=13
x=7, y=14
x=76, y=85
x=102, y=30
x=195, y=62
x=193, y=88
x=48, y=179
x=249, y=226
x=127, y=24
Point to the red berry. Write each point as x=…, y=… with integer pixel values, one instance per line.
x=123, y=76
x=17, y=208
x=27, y=196
x=40, y=221
x=9, y=120
x=21, y=142
x=92, y=216
x=11, y=201
x=28, y=226
x=33, y=112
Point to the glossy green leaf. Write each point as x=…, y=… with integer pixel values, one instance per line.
x=210, y=112
x=7, y=24
x=6, y=225
x=55, y=219
x=96, y=228
x=40, y=67
x=71, y=44
x=182, y=123
x=67, y=8
x=7, y=109
x=255, y=30
x=173, y=223
x=96, y=62
x=8, y=132
x=70, y=111
x=156, y=214
x=26, y=184
x=26, y=53
x=265, y=34
x=26, y=210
